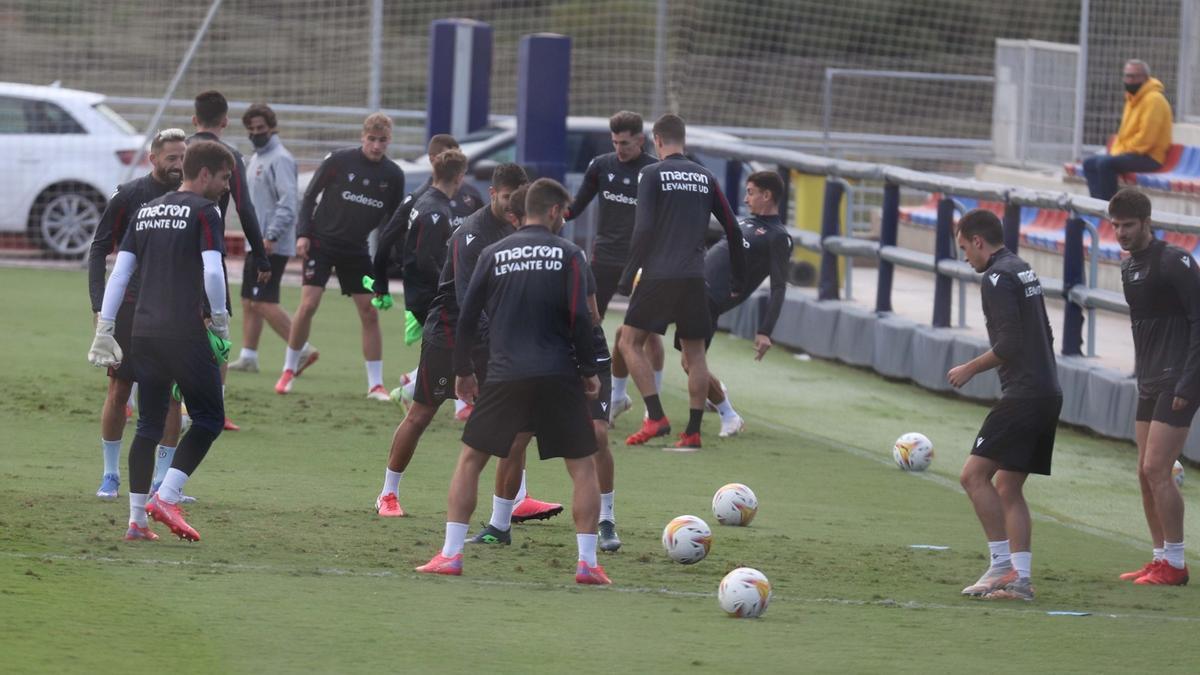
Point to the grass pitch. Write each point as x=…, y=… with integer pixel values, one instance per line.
x=295, y=573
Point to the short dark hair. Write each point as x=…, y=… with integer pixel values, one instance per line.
x=983, y=223
x=210, y=108
x=440, y=143
x=1129, y=203
x=209, y=155
x=626, y=121
x=260, y=110
x=449, y=165
x=516, y=203
x=509, y=176
x=543, y=195
x=769, y=181
x=670, y=128
x=165, y=136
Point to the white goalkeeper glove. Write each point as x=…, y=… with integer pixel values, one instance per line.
x=105, y=352
x=219, y=323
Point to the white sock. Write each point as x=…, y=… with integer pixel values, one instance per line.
x=619, y=385
x=725, y=410
x=606, y=507
x=112, y=456
x=1000, y=553
x=412, y=376
x=249, y=354
x=1173, y=552
x=1023, y=561
x=1160, y=554
x=459, y=405
x=291, y=361
x=522, y=491
x=658, y=377
x=222, y=392
x=456, y=534
x=162, y=462
x=502, y=513
x=133, y=392
x=137, y=509
x=171, y=490
x=587, y=548
x=374, y=374
x=391, y=482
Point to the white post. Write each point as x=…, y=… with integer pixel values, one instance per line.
x=375, y=57
x=1081, y=80
x=660, y=59
x=1183, y=79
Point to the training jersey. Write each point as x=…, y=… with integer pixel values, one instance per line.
x=168, y=235
x=1018, y=328
x=241, y=200
x=357, y=196
x=616, y=183
x=768, y=250
x=675, y=197
x=481, y=229
x=425, y=249
x=533, y=285
x=120, y=210
x=1162, y=288
x=601, y=356
x=391, y=238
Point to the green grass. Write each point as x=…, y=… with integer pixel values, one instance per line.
x=295, y=573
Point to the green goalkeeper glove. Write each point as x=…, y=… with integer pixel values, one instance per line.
x=382, y=301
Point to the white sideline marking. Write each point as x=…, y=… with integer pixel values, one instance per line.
x=966, y=606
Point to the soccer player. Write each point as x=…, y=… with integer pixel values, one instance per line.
x=211, y=117
x=1162, y=287
x=675, y=197
x=271, y=178
x=768, y=250
x=541, y=371
x=1017, y=438
x=359, y=188
x=177, y=245
x=166, y=161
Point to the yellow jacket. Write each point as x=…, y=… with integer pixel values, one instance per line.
x=1145, y=124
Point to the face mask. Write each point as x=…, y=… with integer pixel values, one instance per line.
x=1133, y=88
x=260, y=140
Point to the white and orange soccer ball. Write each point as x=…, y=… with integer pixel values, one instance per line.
x=744, y=593
x=734, y=504
x=913, y=452
x=687, y=539
x=1177, y=473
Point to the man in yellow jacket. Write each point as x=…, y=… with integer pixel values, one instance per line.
x=1143, y=139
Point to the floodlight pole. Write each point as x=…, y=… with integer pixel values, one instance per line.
x=166, y=99
x=1080, y=81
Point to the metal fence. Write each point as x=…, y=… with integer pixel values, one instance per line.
x=1035, y=112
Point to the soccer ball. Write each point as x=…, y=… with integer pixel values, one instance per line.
x=687, y=539
x=734, y=504
x=913, y=452
x=744, y=593
x=1177, y=473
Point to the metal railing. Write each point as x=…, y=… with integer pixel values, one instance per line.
x=1075, y=286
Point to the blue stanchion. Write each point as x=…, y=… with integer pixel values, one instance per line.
x=943, y=285
x=543, y=82
x=460, y=71
x=889, y=228
x=1073, y=275
x=1012, y=226
x=831, y=215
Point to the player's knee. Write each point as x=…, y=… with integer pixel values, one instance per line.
x=971, y=479
x=368, y=315
x=419, y=416
x=1008, y=490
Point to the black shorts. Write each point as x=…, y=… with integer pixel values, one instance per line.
x=191, y=365
x=1018, y=434
x=122, y=332
x=713, y=313
x=1158, y=409
x=268, y=292
x=658, y=303
x=435, y=373
x=607, y=278
x=553, y=407
x=350, y=267
x=600, y=407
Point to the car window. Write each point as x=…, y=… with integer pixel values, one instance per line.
x=44, y=117
x=114, y=117
x=504, y=153
x=12, y=115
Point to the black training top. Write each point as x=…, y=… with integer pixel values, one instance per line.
x=240, y=192
x=481, y=229
x=357, y=196
x=617, y=184
x=1018, y=328
x=533, y=284
x=391, y=238
x=768, y=252
x=1162, y=287
x=168, y=235
x=675, y=198
x=118, y=213
x=425, y=249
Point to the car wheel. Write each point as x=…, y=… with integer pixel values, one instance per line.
x=65, y=221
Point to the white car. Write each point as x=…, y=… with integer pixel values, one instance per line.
x=63, y=152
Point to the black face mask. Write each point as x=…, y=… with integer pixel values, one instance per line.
x=259, y=140
x=1133, y=88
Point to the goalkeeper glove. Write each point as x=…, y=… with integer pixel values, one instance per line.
x=105, y=352
x=219, y=324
